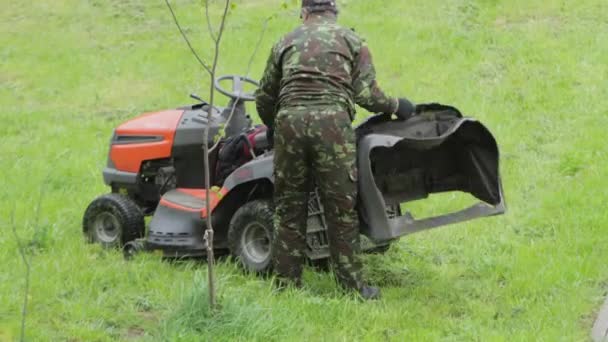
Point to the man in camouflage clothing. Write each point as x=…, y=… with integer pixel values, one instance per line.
x=313, y=79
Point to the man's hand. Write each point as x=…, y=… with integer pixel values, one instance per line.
x=270, y=136
x=406, y=109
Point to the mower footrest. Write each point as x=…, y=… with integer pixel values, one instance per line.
x=179, y=220
x=191, y=200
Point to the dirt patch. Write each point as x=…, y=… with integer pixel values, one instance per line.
x=134, y=333
x=600, y=328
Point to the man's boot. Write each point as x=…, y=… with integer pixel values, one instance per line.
x=369, y=292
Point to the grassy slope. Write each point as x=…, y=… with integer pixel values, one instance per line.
x=534, y=71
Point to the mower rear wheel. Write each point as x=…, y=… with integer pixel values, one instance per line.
x=251, y=234
x=113, y=220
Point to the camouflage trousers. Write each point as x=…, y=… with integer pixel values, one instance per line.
x=316, y=143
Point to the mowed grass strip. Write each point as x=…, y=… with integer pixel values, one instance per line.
x=534, y=72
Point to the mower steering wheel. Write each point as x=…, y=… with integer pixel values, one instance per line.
x=237, y=87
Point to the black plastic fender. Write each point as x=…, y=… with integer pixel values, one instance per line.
x=261, y=168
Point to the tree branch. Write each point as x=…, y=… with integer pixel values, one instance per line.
x=209, y=21
x=217, y=52
x=179, y=27
x=249, y=64
x=23, y=253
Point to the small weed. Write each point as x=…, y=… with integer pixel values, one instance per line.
x=380, y=271
x=239, y=316
x=571, y=165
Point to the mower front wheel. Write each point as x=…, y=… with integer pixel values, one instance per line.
x=113, y=220
x=251, y=234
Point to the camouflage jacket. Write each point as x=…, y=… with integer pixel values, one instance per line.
x=320, y=63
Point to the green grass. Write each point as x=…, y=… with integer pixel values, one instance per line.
x=533, y=71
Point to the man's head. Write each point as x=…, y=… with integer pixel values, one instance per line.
x=310, y=7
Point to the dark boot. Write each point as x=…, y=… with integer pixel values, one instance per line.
x=369, y=292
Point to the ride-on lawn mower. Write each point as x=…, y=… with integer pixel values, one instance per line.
x=155, y=167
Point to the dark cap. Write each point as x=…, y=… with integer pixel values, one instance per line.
x=320, y=5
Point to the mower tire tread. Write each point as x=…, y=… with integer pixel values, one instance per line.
x=257, y=211
x=127, y=213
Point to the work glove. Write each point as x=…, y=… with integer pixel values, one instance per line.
x=406, y=109
x=270, y=136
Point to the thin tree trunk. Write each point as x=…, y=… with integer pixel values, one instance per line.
x=209, y=232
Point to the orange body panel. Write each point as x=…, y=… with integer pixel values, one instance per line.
x=128, y=157
x=216, y=197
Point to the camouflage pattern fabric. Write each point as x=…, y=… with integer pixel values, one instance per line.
x=321, y=63
x=316, y=143
x=313, y=79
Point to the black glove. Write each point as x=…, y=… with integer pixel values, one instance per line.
x=406, y=109
x=270, y=136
